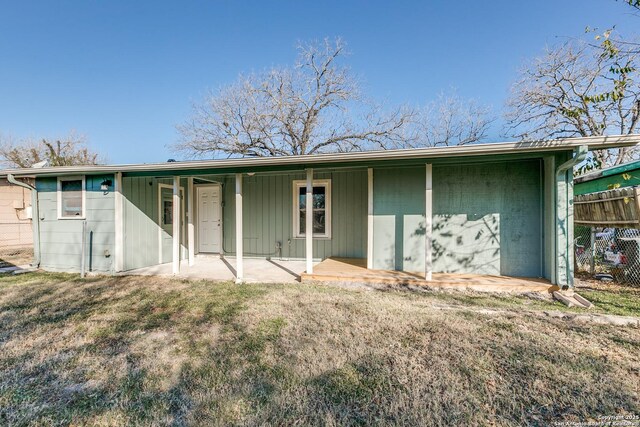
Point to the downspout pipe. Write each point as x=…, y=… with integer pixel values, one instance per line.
x=35, y=217
x=562, y=172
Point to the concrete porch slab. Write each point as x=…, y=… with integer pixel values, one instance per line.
x=224, y=269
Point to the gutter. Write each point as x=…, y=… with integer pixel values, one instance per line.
x=249, y=164
x=580, y=154
x=35, y=217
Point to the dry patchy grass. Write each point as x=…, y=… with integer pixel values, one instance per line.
x=152, y=351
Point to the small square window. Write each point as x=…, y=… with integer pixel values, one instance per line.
x=71, y=197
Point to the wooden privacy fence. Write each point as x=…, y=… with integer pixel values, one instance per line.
x=618, y=208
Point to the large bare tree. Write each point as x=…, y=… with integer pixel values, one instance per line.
x=577, y=89
x=69, y=151
x=448, y=120
x=314, y=107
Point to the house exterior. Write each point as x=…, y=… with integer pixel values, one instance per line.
x=15, y=216
x=624, y=175
x=490, y=209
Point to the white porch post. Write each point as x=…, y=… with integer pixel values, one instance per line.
x=308, y=229
x=176, y=225
x=370, y=218
x=190, y=226
x=239, y=248
x=428, y=218
x=119, y=224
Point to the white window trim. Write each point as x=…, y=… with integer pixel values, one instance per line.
x=182, y=219
x=297, y=184
x=84, y=196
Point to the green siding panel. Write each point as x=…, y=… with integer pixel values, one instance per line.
x=398, y=223
x=487, y=218
x=268, y=215
x=141, y=229
x=141, y=222
x=623, y=179
x=61, y=239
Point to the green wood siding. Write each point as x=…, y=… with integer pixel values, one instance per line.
x=140, y=222
x=623, y=179
x=141, y=225
x=487, y=218
x=398, y=222
x=268, y=215
x=61, y=239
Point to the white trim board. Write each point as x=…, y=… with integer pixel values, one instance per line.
x=84, y=197
x=297, y=162
x=297, y=184
x=159, y=217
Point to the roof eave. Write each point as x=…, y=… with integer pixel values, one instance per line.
x=566, y=144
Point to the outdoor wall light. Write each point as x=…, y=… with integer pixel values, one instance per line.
x=104, y=186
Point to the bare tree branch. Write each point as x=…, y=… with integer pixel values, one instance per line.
x=317, y=107
x=303, y=109
x=69, y=151
x=576, y=89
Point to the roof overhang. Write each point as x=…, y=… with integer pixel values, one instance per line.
x=362, y=158
x=613, y=170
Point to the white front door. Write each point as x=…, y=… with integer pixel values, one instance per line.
x=209, y=219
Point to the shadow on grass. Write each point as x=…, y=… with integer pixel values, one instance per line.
x=147, y=351
x=53, y=382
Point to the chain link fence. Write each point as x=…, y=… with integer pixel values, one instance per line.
x=16, y=243
x=16, y=235
x=613, y=251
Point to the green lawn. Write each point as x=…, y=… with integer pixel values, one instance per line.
x=153, y=351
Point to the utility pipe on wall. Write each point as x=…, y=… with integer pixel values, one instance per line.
x=35, y=217
x=83, y=253
x=565, y=168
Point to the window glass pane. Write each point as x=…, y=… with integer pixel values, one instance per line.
x=167, y=212
x=71, y=198
x=75, y=185
x=319, y=209
x=319, y=222
x=302, y=221
x=319, y=197
x=302, y=197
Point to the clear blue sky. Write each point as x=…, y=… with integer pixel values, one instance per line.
x=124, y=73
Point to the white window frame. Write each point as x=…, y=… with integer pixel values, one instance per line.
x=183, y=220
x=61, y=179
x=297, y=184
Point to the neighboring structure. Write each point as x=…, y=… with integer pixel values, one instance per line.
x=607, y=219
x=492, y=209
x=15, y=217
x=625, y=175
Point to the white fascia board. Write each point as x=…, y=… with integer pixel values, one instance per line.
x=593, y=142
